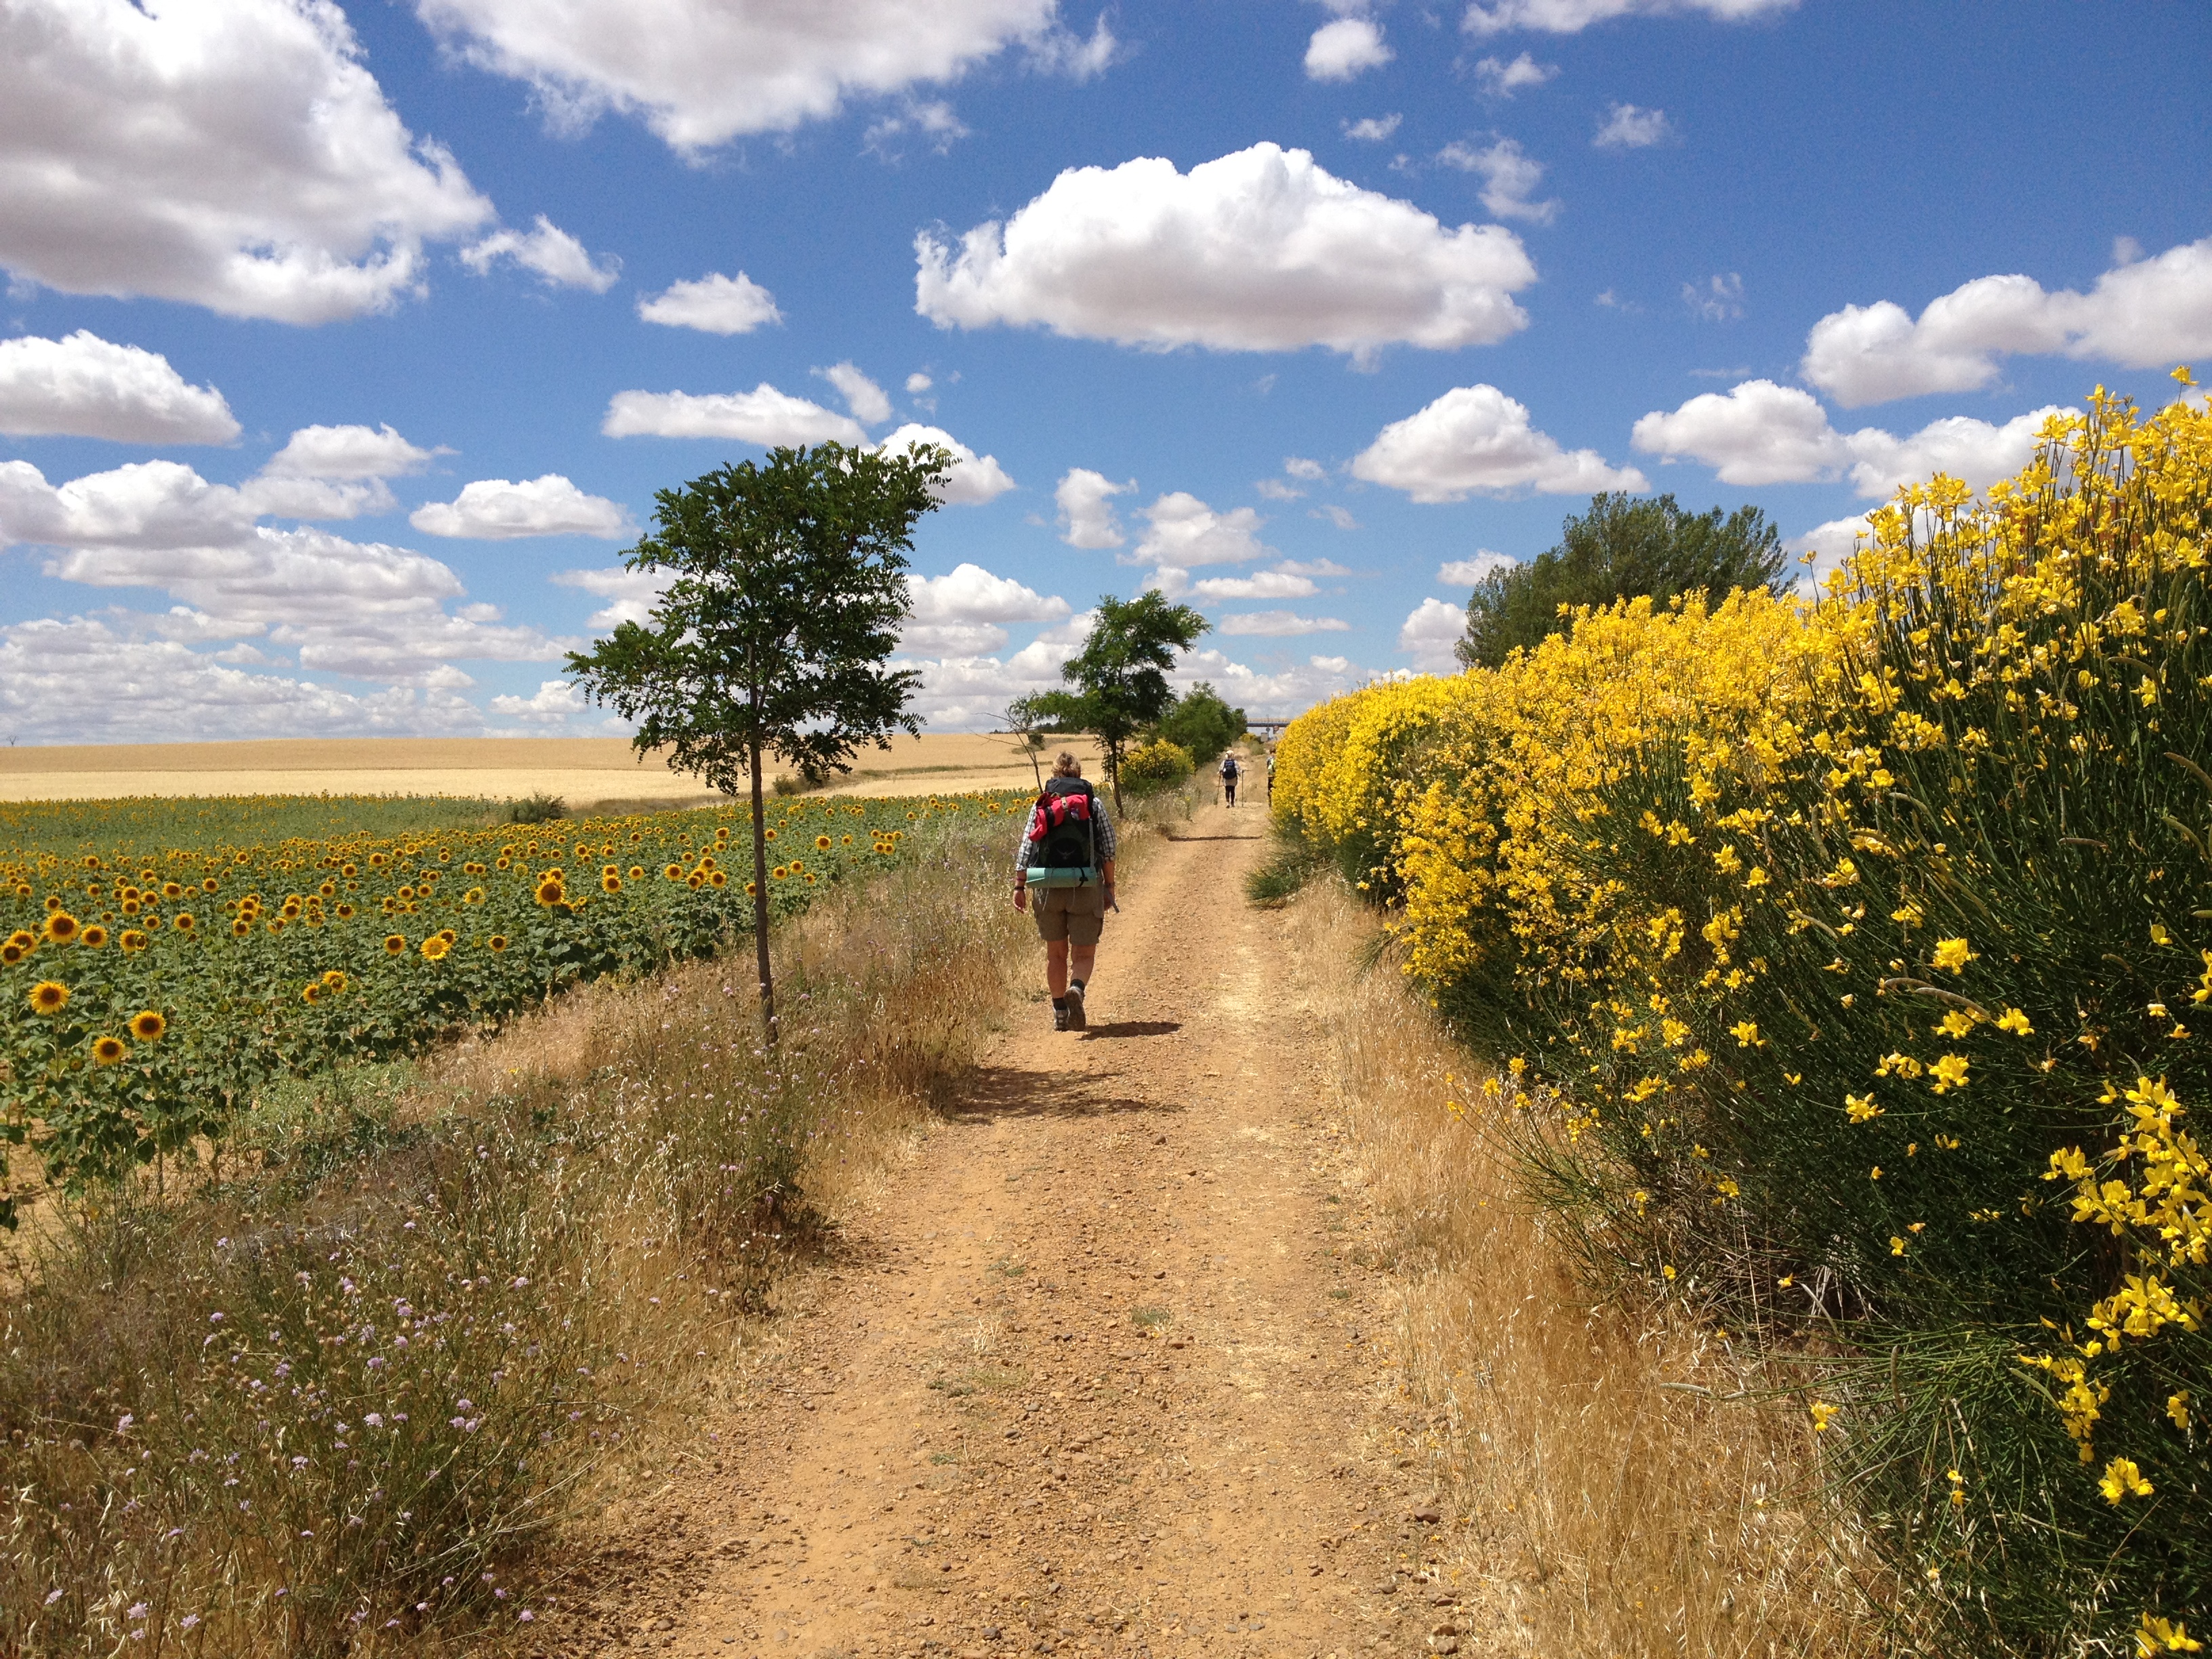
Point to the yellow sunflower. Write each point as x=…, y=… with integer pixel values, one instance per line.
x=771, y=834
x=148, y=1026
x=96, y=936
x=394, y=944
x=637, y=872
x=22, y=939
x=49, y=997
x=695, y=881
x=717, y=879
x=241, y=928
x=672, y=872
x=549, y=891
x=106, y=1050
x=184, y=923
x=345, y=912
x=10, y=954
x=497, y=942
x=61, y=927
x=823, y=843
x=311, y=993
x=435, y=948
x=54, y=902
x=171, y=890
x=611, y=883
x=132, y=939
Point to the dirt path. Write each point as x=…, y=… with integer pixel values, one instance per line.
x=1100, y=1373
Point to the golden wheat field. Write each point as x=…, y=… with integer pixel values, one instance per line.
x=583, y=771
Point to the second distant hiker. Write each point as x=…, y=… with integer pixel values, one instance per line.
x=1064, y=874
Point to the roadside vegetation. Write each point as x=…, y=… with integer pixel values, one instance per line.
x=347, y=1393
x=1846, y=967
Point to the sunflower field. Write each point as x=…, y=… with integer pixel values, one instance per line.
x=1849, y=965
x=146, y=995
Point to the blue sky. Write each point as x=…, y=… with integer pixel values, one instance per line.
x=320, y=320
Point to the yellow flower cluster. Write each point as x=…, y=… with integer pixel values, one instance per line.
x=1819, y=921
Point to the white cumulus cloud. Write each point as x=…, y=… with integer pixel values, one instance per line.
x=973, y=479
x=1627, y=127
x=1508, y=178
x=712, y=304
x=1276, y=584
x=1429, y=635
x=557, y=258
x=1086, y=508
x=1372, y=129
x=346, y=452
x=763, y=415
x=1475, y=439
x=2144, y=314
x=1184, y=532
x=554, y=704
x=83, y=386
x=700, y=72
x=1485, y=17
x=1345, y=48
x=496, y=510
x=1760, y=433
x=868, y=401
x=1501, y=79
x=629, y=594
x=1466, y=573
x=1263, y=250
x=364, y=610
x=237, y=156
x=1280, y=624
x=964, y=613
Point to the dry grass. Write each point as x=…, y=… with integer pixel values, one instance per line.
x=1619, y=1502
x=582, y=771
x=213, y=1440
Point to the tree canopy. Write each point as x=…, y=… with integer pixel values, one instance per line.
x=788, y=585
x=1120, y=675
x=1622, y=548
x=1203, y=722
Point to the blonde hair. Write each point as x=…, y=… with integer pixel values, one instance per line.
x=1067, y=766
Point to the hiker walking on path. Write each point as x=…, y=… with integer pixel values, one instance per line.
x=1230, y=774
x=1066, y=854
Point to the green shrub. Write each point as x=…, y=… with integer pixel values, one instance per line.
x=1156, y=767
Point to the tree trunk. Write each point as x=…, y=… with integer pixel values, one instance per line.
x=760, y=905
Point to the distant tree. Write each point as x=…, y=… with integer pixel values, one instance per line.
x=1120, y=675
x=789, y=587
x=1203, y=722
x=1622, y=548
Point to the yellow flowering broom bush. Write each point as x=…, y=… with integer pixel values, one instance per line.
x=1864, y=952
x=145, y=996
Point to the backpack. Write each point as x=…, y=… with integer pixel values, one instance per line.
x=1063, y=839
x=1229, y=766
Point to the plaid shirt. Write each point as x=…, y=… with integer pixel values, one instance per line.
x=1103, y=830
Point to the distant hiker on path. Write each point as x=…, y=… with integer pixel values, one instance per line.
x=1271, y=774
x=1066, y=854
x=1230, y=773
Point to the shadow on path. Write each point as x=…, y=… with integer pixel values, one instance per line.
x=1016, y=1091
x=1130, y=1028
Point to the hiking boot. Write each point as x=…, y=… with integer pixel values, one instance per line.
x=1075, y=1020
x=1059, y=1016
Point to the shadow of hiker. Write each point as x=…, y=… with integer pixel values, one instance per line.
x=1013, y=1091
x=1130, y=1028
x=1184, y=838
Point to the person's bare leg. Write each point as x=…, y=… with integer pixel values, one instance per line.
x=1056, y=964
x=1086, y=958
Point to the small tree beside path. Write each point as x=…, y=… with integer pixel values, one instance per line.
x=787, y=587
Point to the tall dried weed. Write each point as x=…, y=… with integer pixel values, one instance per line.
x=1632, y=1490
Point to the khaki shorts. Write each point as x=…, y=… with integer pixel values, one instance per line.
x=1075, y=914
